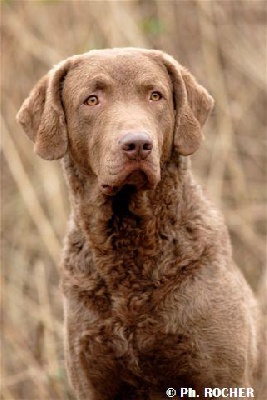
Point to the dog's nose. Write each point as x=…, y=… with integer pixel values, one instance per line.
x=136, y=145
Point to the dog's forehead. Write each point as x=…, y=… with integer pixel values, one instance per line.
x=120, y=67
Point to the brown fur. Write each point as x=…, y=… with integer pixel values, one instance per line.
x=152, y=298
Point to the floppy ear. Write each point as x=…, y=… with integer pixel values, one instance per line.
x=42, y=115
x=192, y=104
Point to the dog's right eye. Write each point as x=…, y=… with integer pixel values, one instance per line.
x=91, y=100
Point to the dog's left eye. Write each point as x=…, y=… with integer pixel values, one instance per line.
x=92, y=100
x=155, y=96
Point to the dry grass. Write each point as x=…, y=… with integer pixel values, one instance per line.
x=224, y=44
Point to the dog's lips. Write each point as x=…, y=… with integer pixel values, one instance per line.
x=109, y=189
x=140, y=176
x=137, y=178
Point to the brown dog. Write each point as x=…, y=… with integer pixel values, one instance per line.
x=152, y=298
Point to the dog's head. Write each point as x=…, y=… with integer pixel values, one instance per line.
x=120, y=113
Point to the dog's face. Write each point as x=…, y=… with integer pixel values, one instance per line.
x=120, y=113
x=120, y=118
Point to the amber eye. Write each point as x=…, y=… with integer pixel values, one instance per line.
x=155, y=96
x=92, y=100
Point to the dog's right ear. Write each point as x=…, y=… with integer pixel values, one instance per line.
x=42, y=116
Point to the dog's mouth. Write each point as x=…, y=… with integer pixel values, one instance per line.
x=139, y=178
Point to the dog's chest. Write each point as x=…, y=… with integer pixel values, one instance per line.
x=125, y=293
x=127, y=301
x=136, y=330
x=133, y=327
x=143, y=347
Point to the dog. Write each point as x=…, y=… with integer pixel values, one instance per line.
x=152, y=298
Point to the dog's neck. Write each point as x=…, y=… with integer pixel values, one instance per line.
x=133, y=230
x=129, y=205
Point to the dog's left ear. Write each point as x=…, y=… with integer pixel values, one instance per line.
x=192, y=103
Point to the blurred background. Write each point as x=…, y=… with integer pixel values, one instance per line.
x=223, y=43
